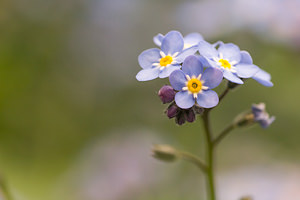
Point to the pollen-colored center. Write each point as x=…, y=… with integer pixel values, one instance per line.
x=225, y=64
x=194, y=85
x=165, y=61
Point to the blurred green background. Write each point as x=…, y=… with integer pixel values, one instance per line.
x=75, y=123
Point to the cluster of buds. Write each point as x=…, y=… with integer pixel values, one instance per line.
x=167, y=95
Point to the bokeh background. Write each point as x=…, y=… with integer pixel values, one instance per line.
x=75, y=123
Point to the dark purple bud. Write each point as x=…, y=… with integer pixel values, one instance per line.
x=172, y=111
x=166, y=94
x=180, y=118
x=190, y=115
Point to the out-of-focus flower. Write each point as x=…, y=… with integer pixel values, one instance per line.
x=261, y=116
x=164, y=153
x=227, y=58
x=166, y=94
x=194, y=85
x=161, y=63
x=261, y=76
x=190, y=40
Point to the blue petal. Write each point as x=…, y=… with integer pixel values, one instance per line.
x=212, y=77
x=177, y=79
x=184, y=100
x=168, y=70
x=246, y=70
x=158, y=39
x=148, y=57
x=204, y=62
x=217, y=44
x=208, y=99
x=267, y=122
x=192, y=66
x=231, y=77
x=192, y=39
x=263, y=78
x=172, y=43
x=207, y=50
x=185, y=53
x=246, y=58
x=230, y=52
x=147, y=74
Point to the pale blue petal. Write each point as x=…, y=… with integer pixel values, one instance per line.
x=148, y=57
x=231, y=77
x=184, y=100
x=158, y=39
x=185, y=53
x=204, y=62
x=168, y=70
x=192, y=66
x=217, y=44
x=246, y=70
x=246, y=58
x=177, y=79
x=212, y=77
x=192, y=39
x=147, y=74
x=172, y=42
x=263, y=78
x=207, y=50
x=230, y=52
x=267, y=122
x=208, y=99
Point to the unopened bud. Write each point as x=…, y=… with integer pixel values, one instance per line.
x=190, y=115
x=166, y=94
x=164, y=153
x=180, y=118
x=172, y=111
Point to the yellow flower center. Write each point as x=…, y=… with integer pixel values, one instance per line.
x=194, y=85
x=225, y=64
x=165, y=61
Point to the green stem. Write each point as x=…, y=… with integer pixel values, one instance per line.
x=193, y=159
x=210, y=156
x=224, y=133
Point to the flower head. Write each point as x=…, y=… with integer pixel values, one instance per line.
x=261, y=116
x=194, y=85
x=228, y=58
x=162, y=62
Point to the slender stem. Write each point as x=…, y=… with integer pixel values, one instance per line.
x=224, y=133
x=193, y=159
x=210, y=156
x=223, y=94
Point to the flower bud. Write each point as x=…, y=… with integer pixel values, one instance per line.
x=172, y=111
x=166, y=94
x=180, y=118
x=190, y=115
x=164, y=153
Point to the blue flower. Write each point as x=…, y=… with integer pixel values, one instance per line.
x=194, y=85
x=161, y=63
x=261, y=116
x=261, y=76
x=190, y=40
x=228, y=58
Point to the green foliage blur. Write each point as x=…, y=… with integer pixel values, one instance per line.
x=67, y=79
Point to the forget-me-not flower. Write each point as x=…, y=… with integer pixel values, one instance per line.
x=194, y=85
x=190, y=40
x=261, y=116
x=161, y=63
x=227, y=58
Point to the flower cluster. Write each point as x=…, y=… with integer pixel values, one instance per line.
x=195, y=67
